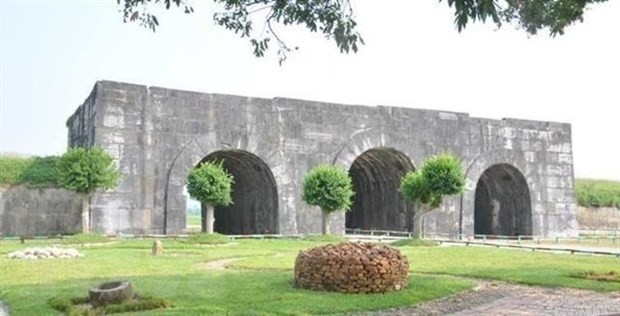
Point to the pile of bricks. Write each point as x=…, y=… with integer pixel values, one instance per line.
x=352, y=268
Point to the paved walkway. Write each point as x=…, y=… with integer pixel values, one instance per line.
x=496, y=298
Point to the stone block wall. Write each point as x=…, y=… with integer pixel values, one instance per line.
x=38, y=212
x=599, y=218
x=158, y=135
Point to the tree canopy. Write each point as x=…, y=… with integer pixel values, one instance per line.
x=209, y=183
x=335, y=19
x=84, y=170
x=329, y=188
x=439, y=176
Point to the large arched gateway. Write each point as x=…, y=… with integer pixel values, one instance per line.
x=503, y=206
x=157, y=135
x=378, y=204
x=255, y=197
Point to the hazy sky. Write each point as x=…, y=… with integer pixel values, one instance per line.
x=52, y=53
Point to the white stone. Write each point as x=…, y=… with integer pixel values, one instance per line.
x=45, y=253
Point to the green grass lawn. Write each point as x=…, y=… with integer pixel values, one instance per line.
x=259, y=280
x=193, y=223
x=520, y=266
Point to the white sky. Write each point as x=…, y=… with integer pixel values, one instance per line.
x=52, y=52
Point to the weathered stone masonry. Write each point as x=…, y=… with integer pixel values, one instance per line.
x=519, y=173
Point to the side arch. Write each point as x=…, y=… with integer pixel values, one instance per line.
x=378, y=203
x=379, y=151
x=254, y=194
x=474, y=171
x=502, y=203
x=194, y=150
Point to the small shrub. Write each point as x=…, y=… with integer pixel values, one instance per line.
x=79, y=306
x=86, y=238
x=60, y=304
x=208, y=239
x=414, y=242
x=139, y=304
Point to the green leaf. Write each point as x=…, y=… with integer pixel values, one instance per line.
x=84, y=170
x=209, y=183
x=329, y=188
x=439, y=176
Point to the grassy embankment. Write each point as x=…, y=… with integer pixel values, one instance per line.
x=32, y=172
x=597, y=193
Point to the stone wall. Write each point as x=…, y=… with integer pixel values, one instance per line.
x=158, y=135
x=599, y=218
x=38, y=212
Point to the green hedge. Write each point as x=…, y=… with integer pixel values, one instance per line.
x=32, y=172
x=597, y=193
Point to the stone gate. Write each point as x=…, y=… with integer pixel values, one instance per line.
x=519, y=172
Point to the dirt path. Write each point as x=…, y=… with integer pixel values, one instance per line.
x=497, y=298
x=220, y=264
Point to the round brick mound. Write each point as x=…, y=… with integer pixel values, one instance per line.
x=352, y=268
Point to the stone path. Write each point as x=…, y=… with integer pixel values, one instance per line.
x=498, y=298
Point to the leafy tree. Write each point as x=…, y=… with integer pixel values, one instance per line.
x=329, y=188
x=84, y=170
x=210, y=184
x=334, y=18
x=439, y=176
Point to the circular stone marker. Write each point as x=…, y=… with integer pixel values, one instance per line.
x=110, y=293
x=352, y=268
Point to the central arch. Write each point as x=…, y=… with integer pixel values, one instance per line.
x=502, y=203
x=378, y=203
x=254, y=195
